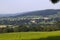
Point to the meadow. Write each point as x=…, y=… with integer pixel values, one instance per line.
x=10, y=36
x=54, y=35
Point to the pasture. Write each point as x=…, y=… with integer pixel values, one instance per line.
x=54, y=35
x=10, y=36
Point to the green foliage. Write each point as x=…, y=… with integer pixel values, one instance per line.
x=8, y=29
x=54, y=1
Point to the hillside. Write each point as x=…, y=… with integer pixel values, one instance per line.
x=40, y=12
x=51, y=14
x=46, y=12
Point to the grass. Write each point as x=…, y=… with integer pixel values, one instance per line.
x=10, y=36
x=54, y=35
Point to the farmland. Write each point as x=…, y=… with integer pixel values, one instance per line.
x=10, y=36
x=54, y=35
x=40, y=35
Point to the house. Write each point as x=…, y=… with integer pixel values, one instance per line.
x=3, y=26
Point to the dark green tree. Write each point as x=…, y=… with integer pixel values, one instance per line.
x=54, y=1
x=8, y=29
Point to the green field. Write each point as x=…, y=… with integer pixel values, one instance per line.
x=54, y=35
x=40, y=35
x=10, y=36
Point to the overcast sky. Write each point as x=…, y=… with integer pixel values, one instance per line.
x=17, y=6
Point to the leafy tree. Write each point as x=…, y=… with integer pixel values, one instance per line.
x=58, y=24
x=54, y=1
x=8, y=29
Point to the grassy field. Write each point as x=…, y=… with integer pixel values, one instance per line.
x=55, y=35
x=10, y=36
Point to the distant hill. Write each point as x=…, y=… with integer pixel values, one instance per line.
x=40, y=12
x=46, y=12
x=6, y=15
x=27, y=17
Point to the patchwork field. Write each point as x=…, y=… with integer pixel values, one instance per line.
x=54, y=35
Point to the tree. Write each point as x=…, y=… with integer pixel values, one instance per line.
x=58, y=24
x=8, y=29
x=54, y=1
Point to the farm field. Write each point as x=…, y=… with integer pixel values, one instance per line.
x=54, y=35
x=10, y=36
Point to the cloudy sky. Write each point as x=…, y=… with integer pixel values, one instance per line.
x=18, y=6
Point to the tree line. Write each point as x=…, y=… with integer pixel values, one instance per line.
x=27, y=28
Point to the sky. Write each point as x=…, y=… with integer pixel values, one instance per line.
x=19, y=6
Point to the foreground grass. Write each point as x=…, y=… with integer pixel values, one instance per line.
x=55, y=35
x=9, y=36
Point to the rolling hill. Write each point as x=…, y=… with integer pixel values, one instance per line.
x=22, y=18
x=46, y=12
x=40, y=12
